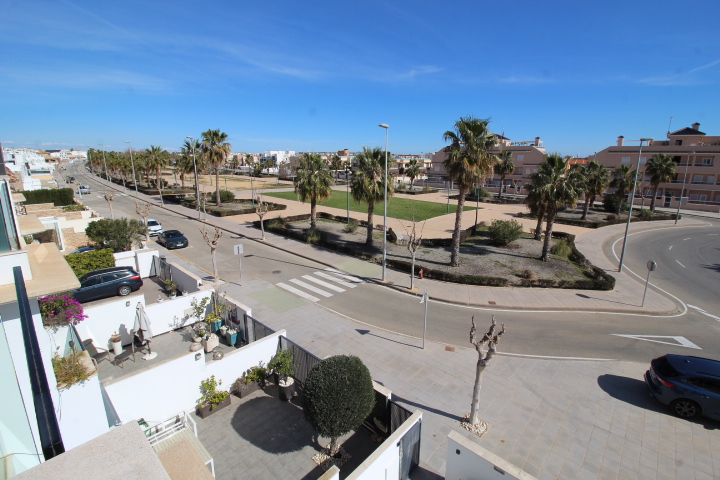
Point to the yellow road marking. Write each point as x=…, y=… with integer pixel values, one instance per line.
x=198, y=266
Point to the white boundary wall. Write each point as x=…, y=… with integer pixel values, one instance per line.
x=160, y=392
x=81, y=413
x=466, y=460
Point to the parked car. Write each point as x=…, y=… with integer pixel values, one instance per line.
x=172, y=239
x=85, y=250
x=84, y=189
x=689, y=385
x=71, y=179
x=154, y=227
x=106, y=283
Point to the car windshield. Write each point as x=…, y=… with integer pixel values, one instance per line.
x=663, y=367
x=173, y=234
x=153, y=223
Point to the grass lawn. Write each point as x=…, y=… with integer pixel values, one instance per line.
x=401, y=208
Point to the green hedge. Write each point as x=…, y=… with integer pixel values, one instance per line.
x=60, y=197
x=603, y=223
x=82, y=263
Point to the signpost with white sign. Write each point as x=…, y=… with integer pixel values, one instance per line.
x=238, y=251
x=651, y=266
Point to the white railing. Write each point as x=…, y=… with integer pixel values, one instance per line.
x=166, y=429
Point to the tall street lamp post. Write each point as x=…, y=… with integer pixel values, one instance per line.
x=197, y=189
x=682, y=191
x=347, y=188
x=385, y=200
x=132, y=163
x=632, y=200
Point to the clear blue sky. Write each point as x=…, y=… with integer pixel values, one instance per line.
x=320, y=75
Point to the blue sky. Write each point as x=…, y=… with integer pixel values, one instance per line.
x=320, y=76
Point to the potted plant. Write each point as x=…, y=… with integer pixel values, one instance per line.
x=184, y=293
x=199, y=332
x=60, y=311
x=170, y=287
x=115, y=340
x=231, y=335
x=212, y=398
x=283, y=367
x=160, y=299
x=243, y=386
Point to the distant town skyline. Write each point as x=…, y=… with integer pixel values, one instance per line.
x=321, y=77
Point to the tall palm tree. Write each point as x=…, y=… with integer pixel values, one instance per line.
x=215, y=150
x=336, y=164
x=313, y=182
x=412, y=171
x=469, y=159
x=157, y=159
x=597, y=179
x=661, y=169
x=533, y=201
x=623, y=179
x=368, y=183
x=505, y=166
x=558, y=186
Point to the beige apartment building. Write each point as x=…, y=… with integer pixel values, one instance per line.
x=697, y=159
x=526, y=155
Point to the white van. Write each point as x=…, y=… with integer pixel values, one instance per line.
x=84, y=189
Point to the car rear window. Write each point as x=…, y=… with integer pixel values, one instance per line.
x=663, y=368
x=153, y=223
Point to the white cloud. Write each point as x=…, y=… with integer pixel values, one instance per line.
x=688, y=78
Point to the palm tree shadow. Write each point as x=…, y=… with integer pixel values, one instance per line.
x=715, y=267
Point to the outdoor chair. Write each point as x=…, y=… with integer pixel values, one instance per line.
x=119, y=360
x=97, y=354
x=140, y=342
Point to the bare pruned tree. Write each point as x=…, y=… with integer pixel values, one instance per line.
x=485, y=348
x=144, y=214
x=414, y=241
x=109, y=198
x=261, y=208
x=213, y=246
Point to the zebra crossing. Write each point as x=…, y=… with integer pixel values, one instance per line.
x=324, y=283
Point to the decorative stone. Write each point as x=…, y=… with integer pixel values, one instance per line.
x=195, y=347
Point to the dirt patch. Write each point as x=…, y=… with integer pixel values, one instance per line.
x=478, y=256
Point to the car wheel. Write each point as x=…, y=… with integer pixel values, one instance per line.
x=684, y=408
x=124, y=290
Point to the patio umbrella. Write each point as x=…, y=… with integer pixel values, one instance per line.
x=142, y=330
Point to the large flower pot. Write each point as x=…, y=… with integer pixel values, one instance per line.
x=247, y=389
x=215, y=326
x=205, y=411
x=231, y=338
x=287, y=388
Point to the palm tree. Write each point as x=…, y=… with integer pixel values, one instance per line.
x=313, y=182
x=557, y=186
x=336, y=164
x=368, y=183
x=412, y=171
x=623, y=179
x=156, y=160
x=597, y=179
x=534, y=202
x=505, y=166
x=661, y=169
x=215, y=150
x=469, y=159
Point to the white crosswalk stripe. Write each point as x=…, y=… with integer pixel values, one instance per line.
x=345, y=275
x=324, y=284
x=297, y=292
x=335, y=279
x=311, y=288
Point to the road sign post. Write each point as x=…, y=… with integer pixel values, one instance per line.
x=238, y=251
x=424, y=300
x=651, y=266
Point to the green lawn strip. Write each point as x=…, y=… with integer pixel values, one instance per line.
x=401, y=208
x=278, y=299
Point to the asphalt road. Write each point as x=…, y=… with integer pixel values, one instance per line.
x=553, y=334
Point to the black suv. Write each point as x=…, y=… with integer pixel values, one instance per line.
x=689, y=385
x=106, y=283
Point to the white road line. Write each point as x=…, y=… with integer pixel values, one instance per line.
x=297, y=292
x=713, y=234
x=349, y=277
x=681, y=341
x=336, y=280
x=310, y=287
x=680, y=263
x=686, y=239
x=324, y=284
x=700, y=310
x=670, y=247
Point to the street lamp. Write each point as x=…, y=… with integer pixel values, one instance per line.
x=347, y=187
x=632, y=200
x=197, y=189
x=105, y=163
x=682, y=191
x=385, y=200
x=132, y=162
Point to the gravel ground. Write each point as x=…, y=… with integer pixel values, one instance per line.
x=477, y=255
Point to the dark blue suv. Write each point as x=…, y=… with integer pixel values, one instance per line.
x=689, y=385
x=106, y=283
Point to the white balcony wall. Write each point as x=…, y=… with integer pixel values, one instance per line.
x=160, y=392
x=468, y=460
x=81, y=413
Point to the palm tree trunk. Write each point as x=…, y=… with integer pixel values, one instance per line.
x=585, y=208
x=313, y=213
x=621, y=197
x=371, y=210
x=502, y=182
x=217, y=185
x=548, y=237
x=652, y=202
x=159, y=186
x=455, y=255
x=538, y=227
x=182, y=181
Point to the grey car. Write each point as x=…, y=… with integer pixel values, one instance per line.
x=172, y=239
x=106, y=283
x=689, y=385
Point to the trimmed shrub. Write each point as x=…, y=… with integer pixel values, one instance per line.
x=83, y=263
x=70, y=370
x=503, y=232
x=610, y=204
x=315, y=236
x=561, y=248
x=58, y=197
x=645, y=214
x=119, y=234
x=338, y=396
x=74, y=208
x=226, y=196
x=611, y=218
x=528, y=275
x=352, y=226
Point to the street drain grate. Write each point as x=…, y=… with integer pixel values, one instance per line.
x=448, y=348
x=276, y=272
x=490, y=302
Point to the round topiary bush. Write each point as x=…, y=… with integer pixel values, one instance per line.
x=226, y=196
x=504, y=232
x=338, y=397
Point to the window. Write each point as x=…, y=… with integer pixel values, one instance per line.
x=520, y=158
x=707, y=162
x=693, y=197
x=643, y=159
x=528, y=171
x=698, y=179
x=625, y=159
x=702, y=198
x=437, y=169
x=678, y=142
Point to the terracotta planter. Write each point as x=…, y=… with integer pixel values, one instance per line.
x=204, y=411
x=246, y=390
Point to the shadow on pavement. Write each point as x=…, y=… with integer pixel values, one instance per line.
x=606, y=300
x=635, y=392
x=426, y=408
x=367, y=332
